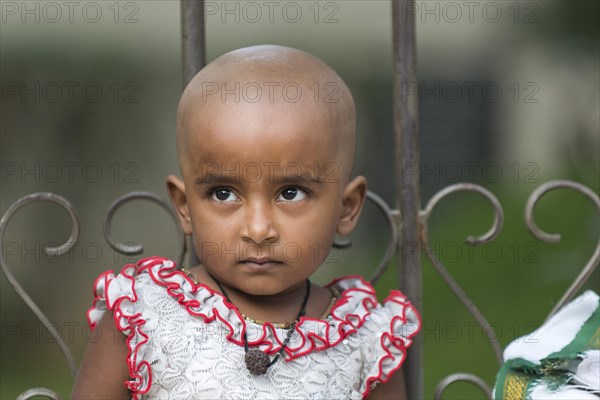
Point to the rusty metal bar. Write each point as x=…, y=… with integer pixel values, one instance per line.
x=193, y=38
x=408, y=197
x=193, y=53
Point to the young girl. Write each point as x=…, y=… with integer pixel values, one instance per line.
x=265, y=141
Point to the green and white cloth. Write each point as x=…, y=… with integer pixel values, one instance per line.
x=560, y=360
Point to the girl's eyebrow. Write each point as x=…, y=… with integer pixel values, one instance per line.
x=295, y=179
x=216, y=178
x=281, y=180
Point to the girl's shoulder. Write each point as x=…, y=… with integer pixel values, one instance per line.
x=359, y=306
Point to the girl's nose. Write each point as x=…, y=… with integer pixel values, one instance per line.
x=259, y=226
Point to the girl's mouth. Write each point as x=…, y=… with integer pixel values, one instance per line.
x=261, y=263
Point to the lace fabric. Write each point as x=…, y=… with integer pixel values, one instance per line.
x=185, y=341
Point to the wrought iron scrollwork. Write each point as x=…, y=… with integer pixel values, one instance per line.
x=592, y=263
x=136, y=249
x=489, y=235
x=454, y=286
x=389, y=214
x=39, y=392
x=534, y=198
x=475, y=380
x=341, y=244
x=53, y=251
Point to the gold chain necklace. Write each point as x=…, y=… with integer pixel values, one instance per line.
x=257, y=361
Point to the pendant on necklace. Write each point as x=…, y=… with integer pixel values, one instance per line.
x=257, y=361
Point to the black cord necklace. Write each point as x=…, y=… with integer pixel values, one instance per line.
x=257, y=361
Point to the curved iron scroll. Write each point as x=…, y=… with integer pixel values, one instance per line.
x=39, y=392
x=455, y=287
x=555, y=238
x=449, y=380
x=389, y=252
x=389, y=215
x=489, y=235
x=135, y=248
x=53, y=251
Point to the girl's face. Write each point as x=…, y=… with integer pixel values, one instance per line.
x=264, y=192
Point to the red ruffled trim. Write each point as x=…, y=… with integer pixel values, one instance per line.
x=392, y=342
x=311, y=334
x=128, y=324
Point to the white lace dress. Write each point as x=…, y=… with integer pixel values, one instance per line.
x=185, y=340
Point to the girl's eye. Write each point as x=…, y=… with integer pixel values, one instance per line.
x=292, y=194
x=224, y=195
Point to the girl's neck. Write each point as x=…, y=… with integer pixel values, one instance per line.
x=281, y=307
x=260, y=304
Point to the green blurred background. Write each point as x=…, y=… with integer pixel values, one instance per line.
x=510, y=98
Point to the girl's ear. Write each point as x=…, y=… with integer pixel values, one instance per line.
x=353, y=200
x=176, y=190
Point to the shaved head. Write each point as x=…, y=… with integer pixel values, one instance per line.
x=265, y=141
x=258, y=80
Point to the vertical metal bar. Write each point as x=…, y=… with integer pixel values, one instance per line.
x=193, y=47
x=193, y=53
x=408, y=197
